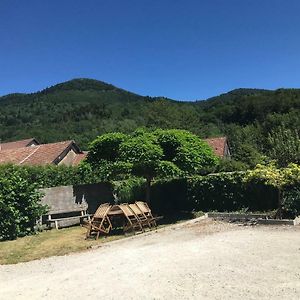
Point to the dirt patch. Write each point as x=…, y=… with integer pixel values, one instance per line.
x=207, y=259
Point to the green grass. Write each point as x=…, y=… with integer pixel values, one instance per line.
x=48, y=243
x=64, y=241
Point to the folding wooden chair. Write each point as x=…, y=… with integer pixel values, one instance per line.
x=140, y=215
x=143, y=206
x=133, y=221
x=100, y=222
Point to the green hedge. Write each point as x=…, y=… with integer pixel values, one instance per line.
x=50, y=176
x=170, y=196
x=229, y=192
x=216, y=192
x=129, y=190
x=19, y=206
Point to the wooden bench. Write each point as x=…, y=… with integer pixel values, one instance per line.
x=81, y=213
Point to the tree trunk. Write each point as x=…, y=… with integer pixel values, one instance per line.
x=148, y=186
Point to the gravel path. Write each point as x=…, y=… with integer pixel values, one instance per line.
x=202, y=260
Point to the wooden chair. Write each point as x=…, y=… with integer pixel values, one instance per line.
x=100, y=222
x=140, y=215
x=143, y=206
x=133, y=221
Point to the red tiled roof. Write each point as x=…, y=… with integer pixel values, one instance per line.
x=218, y=145
x=79, y=158
x=36, y=155
x=16, y=144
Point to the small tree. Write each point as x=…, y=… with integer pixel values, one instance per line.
x=284, y=146
x=162, y=153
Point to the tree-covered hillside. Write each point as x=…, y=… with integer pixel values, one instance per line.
x=81, y=109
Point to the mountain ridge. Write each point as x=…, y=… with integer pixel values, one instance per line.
x=82, y=109
x=85, y=83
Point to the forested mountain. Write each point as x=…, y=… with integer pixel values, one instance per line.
x=81, y=109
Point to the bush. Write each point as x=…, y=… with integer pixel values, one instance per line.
x=231, y=165
x=129, y=190
x=170, y=196
x=19, y=206
x=229, y=192
x=50, y=176
x=291, y=202
x=43, y=176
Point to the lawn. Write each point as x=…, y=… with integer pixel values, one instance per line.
x=48, y=243
x=64, y=241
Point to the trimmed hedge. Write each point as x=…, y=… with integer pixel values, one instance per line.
x=170, y=196
x=216, y=192
x=228, y=192
x=50, y=176
x=129, y=190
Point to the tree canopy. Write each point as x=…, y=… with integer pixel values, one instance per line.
x=161, y=153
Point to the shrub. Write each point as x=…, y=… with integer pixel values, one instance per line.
x=170, y=196
x=291, y=202
x=129, y=190
x=229, y=192
x=19, y=206
x=50, y=176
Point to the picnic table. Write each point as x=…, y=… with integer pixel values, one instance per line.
x=115, y=210
x=135, y=217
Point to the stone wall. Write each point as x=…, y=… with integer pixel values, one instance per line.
x=64, y=199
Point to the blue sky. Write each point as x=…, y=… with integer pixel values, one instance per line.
x=184, y=50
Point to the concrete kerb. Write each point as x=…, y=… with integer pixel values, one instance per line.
x=259, y=218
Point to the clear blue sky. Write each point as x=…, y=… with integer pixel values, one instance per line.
x=180, y=49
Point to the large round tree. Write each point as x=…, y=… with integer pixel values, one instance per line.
x=161, y=153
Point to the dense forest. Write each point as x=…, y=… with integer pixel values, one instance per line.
x=260, y=124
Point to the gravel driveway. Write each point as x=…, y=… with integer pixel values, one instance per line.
x=202, y=260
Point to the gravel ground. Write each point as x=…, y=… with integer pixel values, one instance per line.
x=202, y=260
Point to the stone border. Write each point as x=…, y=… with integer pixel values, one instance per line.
x=236, y=215
x=258, y=218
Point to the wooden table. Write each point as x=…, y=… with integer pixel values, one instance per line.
x=115, y=211
x=116, y=217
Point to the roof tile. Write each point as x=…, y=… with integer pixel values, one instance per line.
x=16, y=144
x=218, y=145
x=36, y=155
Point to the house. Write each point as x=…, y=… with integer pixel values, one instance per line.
x=220, y=146
x=30, y=152
x=19, y=144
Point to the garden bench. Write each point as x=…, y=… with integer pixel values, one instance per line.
x=77, y=213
